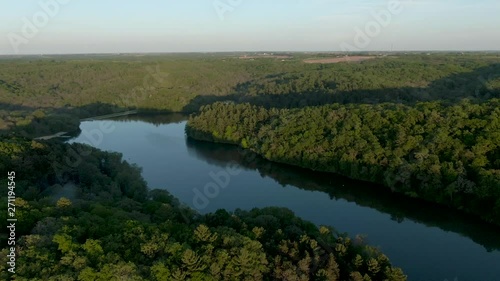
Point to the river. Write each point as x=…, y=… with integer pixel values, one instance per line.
x=429, y=242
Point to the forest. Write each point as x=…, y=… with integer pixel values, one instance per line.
x=437, y=139
x=444, y=154
x=426, y=126
x=398, y=206
x=39, y=94
x=92, y=217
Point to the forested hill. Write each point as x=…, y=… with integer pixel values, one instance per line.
x=441, y=153
x=45, y=95
x=85, y=214
x=426, y=126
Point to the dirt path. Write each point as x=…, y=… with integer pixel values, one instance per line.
x=125, y=113
x=61, y=134
x=57, y=135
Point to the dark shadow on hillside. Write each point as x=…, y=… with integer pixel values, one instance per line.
x=155, y=118
x=471, y=85
x=30, y=122
x=399, y=207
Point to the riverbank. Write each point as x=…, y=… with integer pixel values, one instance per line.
x=393, y=145
x=112, y=115
x=294, y=164
x=111, y=223
x=398, y=225
x=63, y=134
x=57, y=135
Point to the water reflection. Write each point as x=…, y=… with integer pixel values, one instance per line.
x=364, y=194
x=400, y=208
x=155, y=119
x=429, y=242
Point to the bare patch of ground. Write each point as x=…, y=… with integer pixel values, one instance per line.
x=60, y=134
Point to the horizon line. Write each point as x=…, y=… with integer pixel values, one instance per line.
x=263, y=51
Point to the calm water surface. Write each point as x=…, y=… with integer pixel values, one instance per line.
x=428, y=242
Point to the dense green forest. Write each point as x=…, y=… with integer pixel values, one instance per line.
x=424, y=125
x=444, y=154
x=82, y=86
x=85, y=214
x=399, y=207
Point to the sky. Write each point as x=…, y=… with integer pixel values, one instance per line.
x=126, y=26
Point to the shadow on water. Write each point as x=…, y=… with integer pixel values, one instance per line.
x=400, y=208
x=156, y=119
x=31, y=122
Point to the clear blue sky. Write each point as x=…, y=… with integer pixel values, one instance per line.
x=103, y=26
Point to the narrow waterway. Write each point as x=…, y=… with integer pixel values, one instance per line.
x=428, y=242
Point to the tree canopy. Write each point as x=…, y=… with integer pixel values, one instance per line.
x=444, y=154
x=95, y=219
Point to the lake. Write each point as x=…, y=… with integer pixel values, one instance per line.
x=428, y=242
